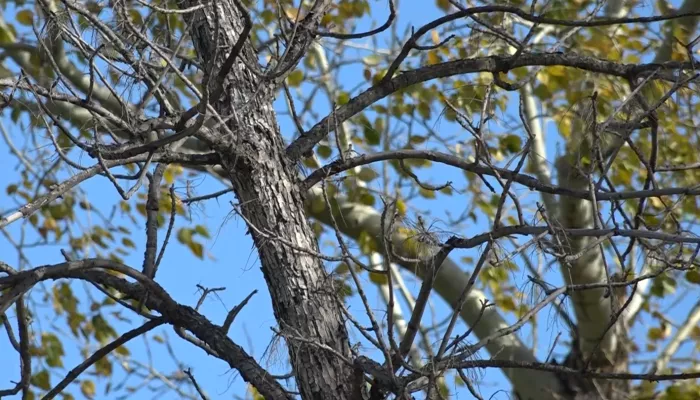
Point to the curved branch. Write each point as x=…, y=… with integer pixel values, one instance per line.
x=412, y=41
x=61, y=188
x=159, y=300
x=536, y=366
x=348, y=36
x=101, y=353
x=339, y=166
x=493, y=64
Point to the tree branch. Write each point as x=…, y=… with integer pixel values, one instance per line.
x=158, y=300
x=493, y=64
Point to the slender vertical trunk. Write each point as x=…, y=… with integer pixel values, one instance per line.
x=266, y=185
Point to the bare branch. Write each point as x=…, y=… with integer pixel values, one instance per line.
x=101, y=353
x=493, y=64
x=231, y=316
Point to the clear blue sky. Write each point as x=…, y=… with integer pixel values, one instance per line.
x=234, y=265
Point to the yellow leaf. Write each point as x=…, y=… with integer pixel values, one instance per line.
x=293, y=13
x=343, y=98
x=87, y=388
x=659, y=333
x=556, y=70
x=379, y=279
x=435, y=36
x=444, y=5
x=50, y=223
x=656, y=202
x=655, y=334
x=401, y=207
x=171, y=172
x=433, y=57
x=426, y=193
x=506, y=303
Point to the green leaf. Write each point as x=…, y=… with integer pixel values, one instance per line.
x=169, y=176
x=295, y=78
x=343, y=289
x=53, y=349
x=63, y=298
x=324, y=151
x=428, y=194
x=663, y=285
x=693, y=276
x=75, y=320
x=103, y=330
x=123, y=351
x=341, y=268
x=128, y=243
x=511, y=143
x=16, y=112
x=103, y=367
x=444, y=5
x=184, y=236
x=60, y=211
x=343, y=98
x=25, y=17
x=136, y=17
x=367, y=198
x=197, y=249
x=367, y=174
x=366, y=242
x=417, y=139
x=372, y=136
x=424, y=109
x=41, y=380
x=656, y=333
x=202, y=231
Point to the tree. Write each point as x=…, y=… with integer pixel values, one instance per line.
x=150, y=95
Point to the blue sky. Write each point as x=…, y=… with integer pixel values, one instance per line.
x=235, y=265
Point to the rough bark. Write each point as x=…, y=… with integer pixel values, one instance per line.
x=266, y=185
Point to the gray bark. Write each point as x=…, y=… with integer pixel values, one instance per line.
x=266, y=185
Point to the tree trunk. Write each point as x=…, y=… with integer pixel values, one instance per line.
x=266, y=185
